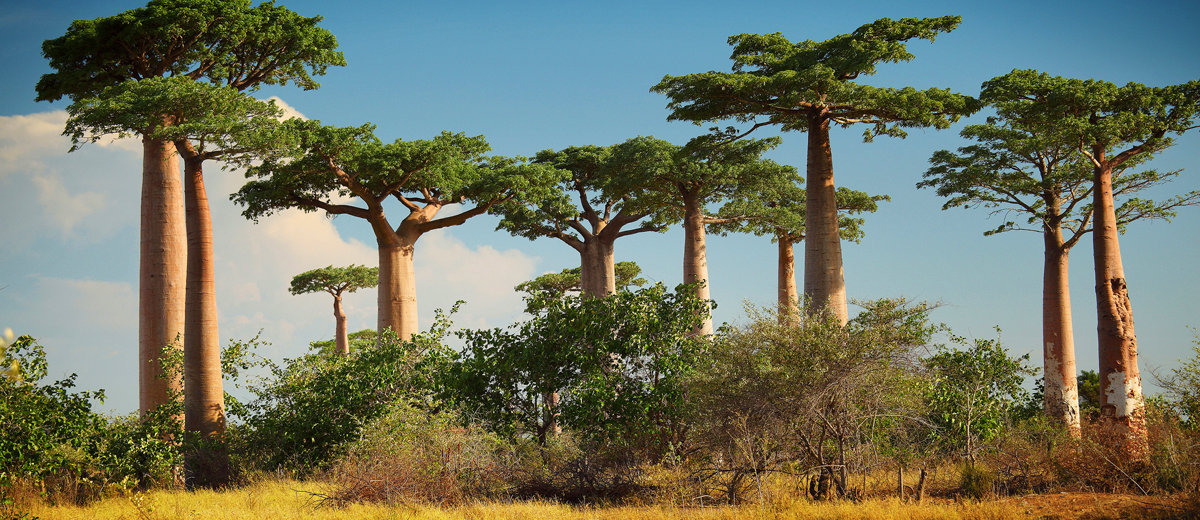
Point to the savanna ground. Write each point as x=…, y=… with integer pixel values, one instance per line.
x=287, y=499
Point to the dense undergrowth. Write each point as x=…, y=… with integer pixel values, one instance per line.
x=607, y=402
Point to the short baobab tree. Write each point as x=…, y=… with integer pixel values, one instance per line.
x=335, y=281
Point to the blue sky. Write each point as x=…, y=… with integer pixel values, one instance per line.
x=536, y=75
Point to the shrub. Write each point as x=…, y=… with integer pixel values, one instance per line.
x=313, y=406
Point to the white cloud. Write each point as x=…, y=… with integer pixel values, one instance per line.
x=63, y=208
x=288, y=111
x=26, y=140
x=447, y=270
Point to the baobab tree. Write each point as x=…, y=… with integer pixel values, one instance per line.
x=570, y=280
x=589, y=211
x=224, y=42
x=1041, y=184
x=326, y=163
x=1111, y=127
x=809, y=86
x=683, y=180
x=335, y=281
x=778, y=212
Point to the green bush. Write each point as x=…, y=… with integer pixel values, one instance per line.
x=312, y=407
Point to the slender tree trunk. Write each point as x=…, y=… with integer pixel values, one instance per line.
x=1061, y=391
x=397, y=287
x=824, y=283
x=162, y=271
x=788, y=296
x=695, y=261
x=343, y=336
x=204, y=398
x=1122, y=411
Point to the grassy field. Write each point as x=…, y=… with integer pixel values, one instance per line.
x=271, y=500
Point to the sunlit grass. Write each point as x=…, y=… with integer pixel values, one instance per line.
x=270, y=500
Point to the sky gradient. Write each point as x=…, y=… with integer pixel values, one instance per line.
x=539, y=75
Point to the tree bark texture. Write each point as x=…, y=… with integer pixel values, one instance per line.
x=1061, y=390
x=342, y=335
x=204, y=397
x=695, y=261
x=824, y=282
x=1122, y=411
x=598, y=276
x=397, y=288
x=162, y=269
x=788, y=296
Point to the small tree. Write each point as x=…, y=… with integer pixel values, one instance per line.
x=335, y=281
x=809, y=86
x=972, y=390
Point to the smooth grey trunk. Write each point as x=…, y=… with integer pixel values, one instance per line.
x=1061, y=390
x=695, y=261
x=162, y=271
x=824, y=281
x=1122, y=411
x=204, y=396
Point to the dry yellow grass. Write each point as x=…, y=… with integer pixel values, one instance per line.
x=270, y=500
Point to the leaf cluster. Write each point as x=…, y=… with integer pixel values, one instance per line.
x=223, y=42
x=799, y=85
x=335, y=280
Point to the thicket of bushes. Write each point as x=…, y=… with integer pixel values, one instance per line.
x=643, y=411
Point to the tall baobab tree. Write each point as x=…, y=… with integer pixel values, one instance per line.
x=223, y=42
x=809, y=86
x=1040, y=184
x=589, y=211
x=424, y=176
x=1111, y=127
x=335, y=281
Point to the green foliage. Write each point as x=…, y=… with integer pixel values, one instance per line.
x=569, y=280
x=807, y=389
x=618, y=362
x=778, y=211
x=1041, y=177
x=972, y=390
x=49, y=432
x=224, y=42
x=335, y=280
x=1089, y=393
x=1183, y=387
x=359, y=340
x=795, y=85
x=303, y=416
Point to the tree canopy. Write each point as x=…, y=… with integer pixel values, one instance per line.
x=335, y=280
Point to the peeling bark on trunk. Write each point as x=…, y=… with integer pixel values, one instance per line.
x=340, y=332
x=824, y=283
x=788, y=296
x=695, y=261
x=204, y=398
x=162, y=269
x=1061, y=390
x=1122, y=411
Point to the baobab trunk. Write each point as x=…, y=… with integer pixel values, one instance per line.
x=695, y=262
x=204, y=397
x=162, y=269
x=788, y=296
x=598, y=277
x=1061, y=390
x=343, y=336
x=397, y=288
x=824, y=283
x=1122, y=411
